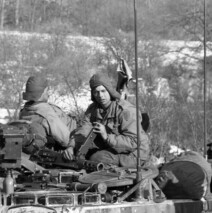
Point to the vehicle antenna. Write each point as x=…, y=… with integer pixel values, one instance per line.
x=205, y=80
x=138, y=178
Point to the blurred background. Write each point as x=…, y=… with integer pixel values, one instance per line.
x=69, y=40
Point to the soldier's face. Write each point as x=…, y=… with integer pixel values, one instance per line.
x=102, y=96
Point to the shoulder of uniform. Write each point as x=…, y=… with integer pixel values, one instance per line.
x=90, y=110
x=54, y=106
x=125, y=104
x=127, y=110
x=91, y=107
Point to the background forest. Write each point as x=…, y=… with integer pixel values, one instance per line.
x=68, y=40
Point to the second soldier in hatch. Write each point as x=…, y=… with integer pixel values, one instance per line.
x=57, y=124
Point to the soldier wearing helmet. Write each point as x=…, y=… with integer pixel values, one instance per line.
x=114, y=122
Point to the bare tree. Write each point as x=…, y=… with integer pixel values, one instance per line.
x=71, y=70
x=17, y=13
x=33, y=10
x=2, y=14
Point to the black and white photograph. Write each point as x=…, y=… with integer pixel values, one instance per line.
x=105, y=106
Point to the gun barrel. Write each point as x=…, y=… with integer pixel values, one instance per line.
x=50, y=158
x=97, y=187
x=88, y=144
x=90, y=165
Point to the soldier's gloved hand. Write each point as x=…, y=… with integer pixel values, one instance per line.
x=100, y=129
x=68, y=154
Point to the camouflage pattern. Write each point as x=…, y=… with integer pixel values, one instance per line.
x=121, y=127
x=57, y=124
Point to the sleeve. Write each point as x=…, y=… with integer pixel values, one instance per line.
x=72, y=125
x=82, y=132
x=51, y=121
x=126, y=140
x=58, y=130
x=54, y=125
x=69, y=120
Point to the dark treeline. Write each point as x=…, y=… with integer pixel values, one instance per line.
x=164, y=19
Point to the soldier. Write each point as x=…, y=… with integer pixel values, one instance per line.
x=57, y=124
x=114, y=122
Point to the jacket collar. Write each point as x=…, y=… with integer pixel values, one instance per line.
x=111, y=111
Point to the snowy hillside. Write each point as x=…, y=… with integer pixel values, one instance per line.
x=180, y=53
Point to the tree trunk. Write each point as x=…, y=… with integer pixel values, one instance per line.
x=17, y=13
x=44, y=12
x=33, y=4
x=2, y=14
x=85, y=17
x=61, y=5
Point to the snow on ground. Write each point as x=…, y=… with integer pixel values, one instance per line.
x=179, y=52
x=4, y=115
x=94, y=42
x=184, y=52
x=69, y=104
x=175, y=150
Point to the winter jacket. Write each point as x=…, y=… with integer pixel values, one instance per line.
x=121, y=126
x=57, y=123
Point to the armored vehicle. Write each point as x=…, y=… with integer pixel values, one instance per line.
x=43, y=182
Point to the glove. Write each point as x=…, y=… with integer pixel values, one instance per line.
x=68, y=154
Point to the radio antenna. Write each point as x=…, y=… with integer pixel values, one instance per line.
x=138, y=178
x=205, y=80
